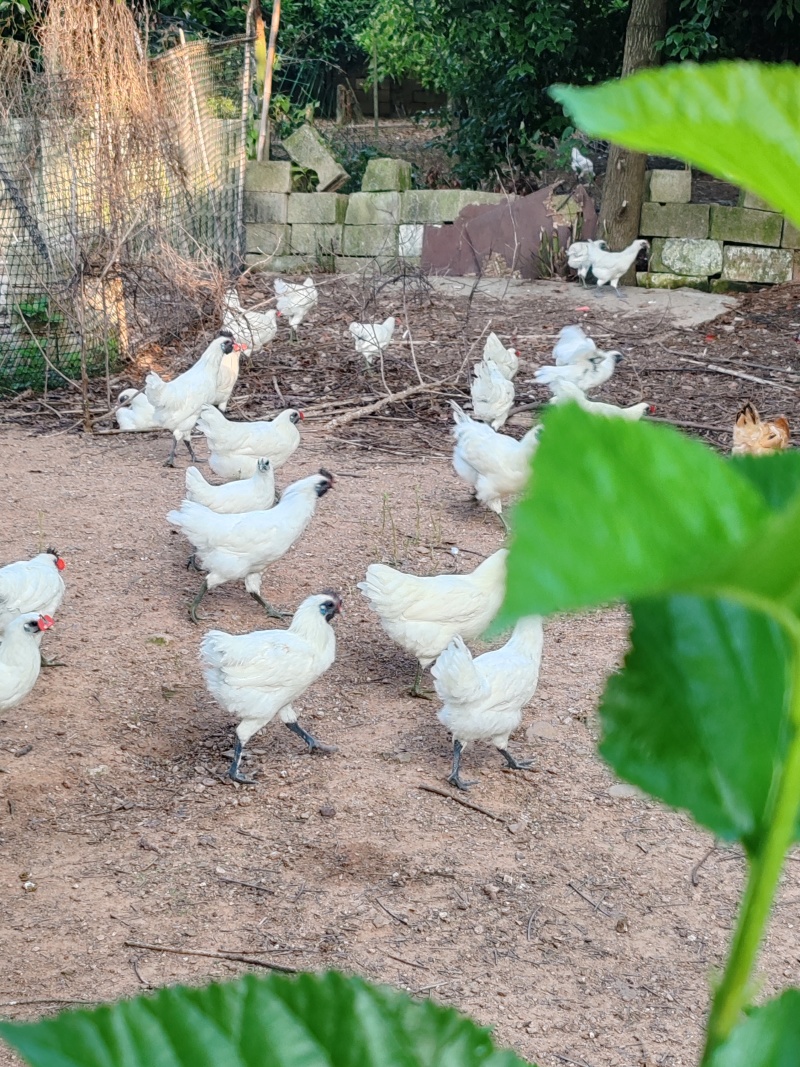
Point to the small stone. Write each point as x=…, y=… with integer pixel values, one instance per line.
x=491, y=891
x=621, y=926
x=327, y=811
x=623, y=791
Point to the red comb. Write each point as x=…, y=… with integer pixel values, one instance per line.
x=45, y=622
x=300, y=413
x=60, y=564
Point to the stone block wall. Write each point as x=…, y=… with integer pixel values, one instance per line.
x=710, y=246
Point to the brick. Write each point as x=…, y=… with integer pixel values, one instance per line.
x=373, y=209
x=751, y=200
x=282, y=264
x=322, y=239
x=674, y=220
x=658, y=280
x=386, y=174
x=311, y=208
x=686, y=255
x=791, y=235
x=669, y=186
x=442, y=205
x=370, y=240
x=410, y=240
x=271, y=176
x=265, y=207
x=745, y=263
x=307, y=148
x=268, y=238
x=746, y=226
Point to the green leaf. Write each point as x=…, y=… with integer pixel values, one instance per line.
x=324, y=1020
x=620, y=509
x=698, y=717
x=769, y=1036
x=740, y=121
x=777, y=477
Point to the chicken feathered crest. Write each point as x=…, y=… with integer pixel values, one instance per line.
x=33, y=585
x=506, y=359
x=250, y=494
x=371, y=338
x=20, y=658
x=492, y=393
x=256, y=676
x=756, y=437
x=137, y=414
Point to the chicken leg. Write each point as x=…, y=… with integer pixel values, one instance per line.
x=515, y=764
x=233, y=770
x=416, y=689
x=454, y=778
x=273, y=613
x=196, y=602
x=170, y=460
x=313, y=744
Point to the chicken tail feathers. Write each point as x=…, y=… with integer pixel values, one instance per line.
x=455, y=676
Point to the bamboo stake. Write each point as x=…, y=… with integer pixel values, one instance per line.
x=263, y=139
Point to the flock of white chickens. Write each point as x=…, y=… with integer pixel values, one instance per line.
x=237, y=529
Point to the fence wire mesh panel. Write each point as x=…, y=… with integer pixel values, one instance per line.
x=119, y=200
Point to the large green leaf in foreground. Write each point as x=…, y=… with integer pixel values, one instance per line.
x=768, y=1037
x=740, y=121
x=313, y=1021
x=698, y=716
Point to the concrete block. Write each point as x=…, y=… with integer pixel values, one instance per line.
x=791, y=235
x=657, y=280
x=322, y=239
x=442, y=205
x=746, y=226
x=370, y=240
x=686, y=255
x=271, y=176
x=674, y=220
x=265, y=207
x=669, y=186
x=307, y=148
x=373, y=209
x=282, y=264
x=268, y=238
x=311, y=208
x=410, y=240
x=386, y=174
x=751, y=200
x=744, y=263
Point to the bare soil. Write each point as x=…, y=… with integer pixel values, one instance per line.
x=579, y=919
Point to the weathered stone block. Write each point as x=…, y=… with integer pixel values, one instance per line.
x=442, y=205
x=746, y=226
x=271, y=176
x=744, y=263
x=796, y=267
x=373, y=209
x=370, y=240
x=686, y=255
x=669, y=186
x=386, y=174
x=311, y=208
x=656, y=280
x=722, y=286
x=265, y=207
x=410, y=240
x=268, y=239
x=791, y=235
x=307, y=148
x=322, y=239
x=674, y=220
x=282, y=264
x=751, y=200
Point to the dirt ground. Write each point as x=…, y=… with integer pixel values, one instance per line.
x=576, y=917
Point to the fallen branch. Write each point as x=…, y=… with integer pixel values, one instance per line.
x=739, y=374
x=462, y=801
x=234, y=956
x=392, y=398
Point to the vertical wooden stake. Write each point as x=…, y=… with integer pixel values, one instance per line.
x=263, y=131
x=375, y=100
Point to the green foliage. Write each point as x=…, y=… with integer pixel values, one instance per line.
x=740, y=121
x=730, y=29
x=769, y=1037
x=324, y=1020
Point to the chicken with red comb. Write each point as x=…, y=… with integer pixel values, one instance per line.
x=20, y=658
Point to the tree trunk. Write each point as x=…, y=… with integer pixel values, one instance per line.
x=623, y=185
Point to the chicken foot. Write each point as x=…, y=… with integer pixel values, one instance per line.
x=50, y=662
x=273, y=613
x=454, y=778
x=416, y=689
x=515, y=764
x=313, y=744
x=170, y=460
x=233, y=770
x=195, y=603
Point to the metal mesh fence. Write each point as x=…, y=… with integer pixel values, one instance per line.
x=117, y=224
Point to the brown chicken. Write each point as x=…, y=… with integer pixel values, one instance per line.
x=753, y=437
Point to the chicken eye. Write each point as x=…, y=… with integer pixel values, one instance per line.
x=323, y=608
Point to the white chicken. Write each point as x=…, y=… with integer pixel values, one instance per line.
x=572, y=345
x=507, y=359
x=422, y=615
x=483, y=698
x=608, y=267
x=581, y=164
x=234, y=498
x=236, y=447
x=137, y=414
x=256, y=676
x=178, y=403
x=20, y=658
x=495, y=465
x=564, y=392
x=295, y=301
x=33, y=585
x=233, y=547
x=579, y=257
x=254, y=328
x=372, y=338
x=492, y=393
x=587, y=373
